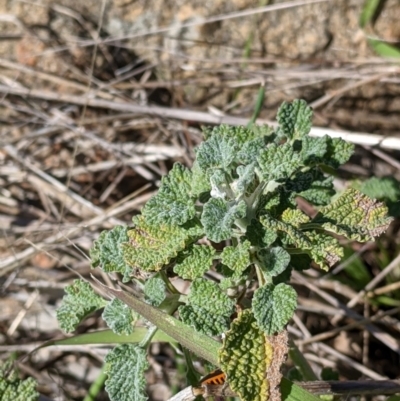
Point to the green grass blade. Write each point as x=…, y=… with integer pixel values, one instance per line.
x=258, y=106
x=96, y=386
x=292, y=392
x=368, y=12
x=383, y=49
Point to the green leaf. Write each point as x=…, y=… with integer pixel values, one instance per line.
x=200, y=344
x=219, y=184
x=385, y=189
x=313, y=149
x=354, y=216
x=339, y=152
x=237, y=258
x=295, y=217
x=273, y=306
x=273, y=261
x=249, y=151
x=219, y=216
x=240, y=134
x=312, y=185
x=259, y=235
x=293, y=392
x=194, y=261
x=279, y=162
x=154, y=291
x=326, y=250
x=295, y=119
x=216, y=153
x=208, y=309
x=125, y=367
x=263, y=131
x=106, y=252
x=251, y=360
x=119, y=317
x=174, y=202
x=289, y=234
x=80, y=301
x=245, y=180
x=14, y=389
x=151, y=247
x=200, y=180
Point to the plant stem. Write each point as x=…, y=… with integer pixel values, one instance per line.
x=96, y=386
x=148, y=337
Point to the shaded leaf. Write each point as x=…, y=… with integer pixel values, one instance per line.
x=273, y=261
x=237, y=258
x=259, y=235
x=339, y=152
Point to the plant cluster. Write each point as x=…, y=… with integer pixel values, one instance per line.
x=232, y=226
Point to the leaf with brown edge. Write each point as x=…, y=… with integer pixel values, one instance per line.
x=355, y=216
x=150, y=247
x=252, y=360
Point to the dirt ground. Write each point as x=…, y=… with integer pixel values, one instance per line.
x=99, y=98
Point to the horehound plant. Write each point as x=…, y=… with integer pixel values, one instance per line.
x=231, y=226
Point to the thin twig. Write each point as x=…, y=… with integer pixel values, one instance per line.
x=191, y=115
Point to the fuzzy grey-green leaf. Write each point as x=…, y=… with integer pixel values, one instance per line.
x=154, y=291
x=174, y=202
x=237, y=258
x=219, y=216
x=208, y=309
x=125, y=367
x=194, y=261
x=273, y=306
x=119, y=317
x=107, y=252
x=273, y=261
x=80, y=300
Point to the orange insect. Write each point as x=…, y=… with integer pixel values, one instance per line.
x=217, y=377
